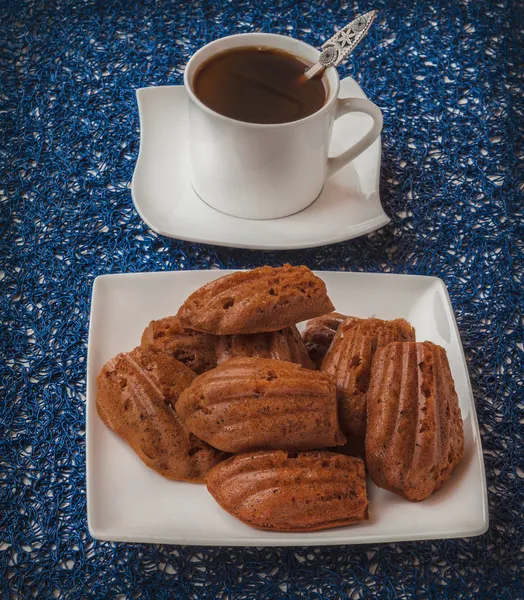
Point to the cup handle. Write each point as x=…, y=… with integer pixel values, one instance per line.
x=345, y=106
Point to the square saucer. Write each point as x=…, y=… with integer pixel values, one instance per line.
x=348, y=206
x=127, y=501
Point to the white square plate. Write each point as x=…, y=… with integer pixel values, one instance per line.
x=127, y=501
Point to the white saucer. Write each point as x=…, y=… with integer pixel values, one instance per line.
x=349, y=205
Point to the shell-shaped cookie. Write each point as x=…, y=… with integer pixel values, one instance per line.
x=291, y=492
x=265, y=299
x=262, y=404
x=285, y=344
x=135, y=398
x=193, y=348
x=349, y=358
x=414, y=437
x=319, y=334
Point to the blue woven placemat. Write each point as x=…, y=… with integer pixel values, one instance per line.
x=447, y=77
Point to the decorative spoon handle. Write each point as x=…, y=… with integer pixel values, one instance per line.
x=335, y=50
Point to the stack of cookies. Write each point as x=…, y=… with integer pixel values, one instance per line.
x=397, y=402
x=228, y=392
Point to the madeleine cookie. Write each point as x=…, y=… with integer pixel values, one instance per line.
x=349, y=358
x=258, y=403
x=193, y=348
x=265, y=299
x=280, y=491
x=136, y=395
x=415, y=436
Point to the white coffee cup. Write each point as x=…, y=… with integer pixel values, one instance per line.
x=259, y=171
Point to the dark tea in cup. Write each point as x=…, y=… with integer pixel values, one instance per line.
x=259, y=85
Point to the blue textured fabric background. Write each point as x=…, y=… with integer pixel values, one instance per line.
x=448, y=77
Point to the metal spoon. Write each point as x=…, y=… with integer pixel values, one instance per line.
x=335, y=50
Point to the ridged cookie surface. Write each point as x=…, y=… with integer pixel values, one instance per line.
x=194, y=348
x=258, y=403
x=414, y=437
x=202, y=351
x=291, y=492
x=319, y=334
x=349, y=358
x=265, y=299
x=285, y=344
x=136, y=395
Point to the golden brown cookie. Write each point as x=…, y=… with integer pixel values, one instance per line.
x=258, y=403
x=319, y=334
x=265, y=299
x=285, y=344
x=415, y=436
x=193, y=348
x=280, y=491
x=135, y=398
x=348, y=360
